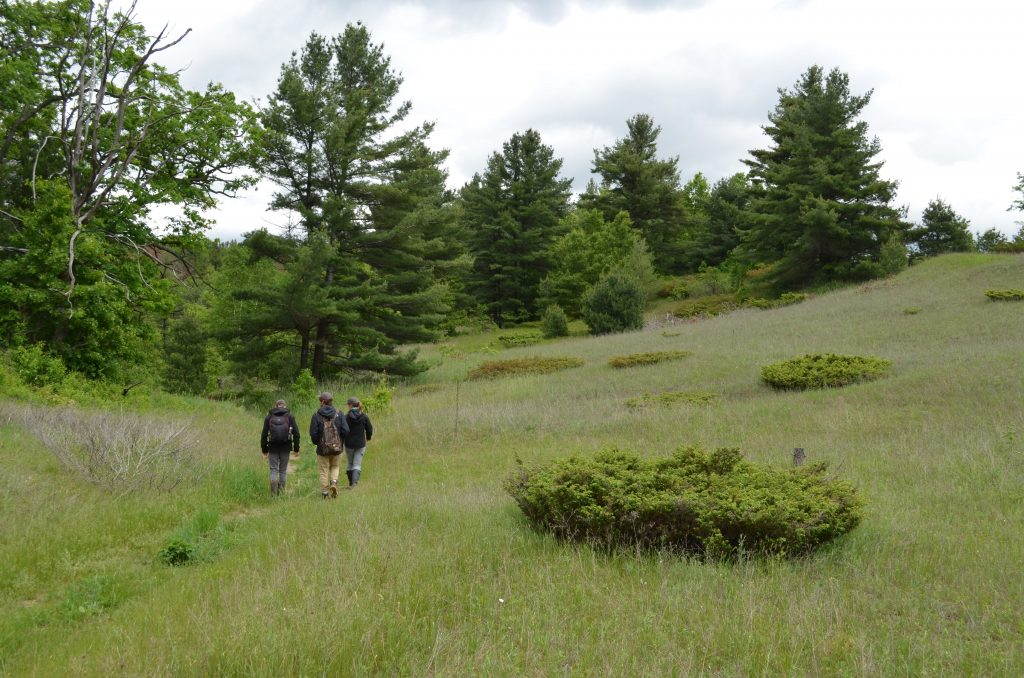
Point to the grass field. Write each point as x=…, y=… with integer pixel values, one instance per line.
x=428, y=568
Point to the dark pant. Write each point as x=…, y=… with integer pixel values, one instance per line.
x=278, y=466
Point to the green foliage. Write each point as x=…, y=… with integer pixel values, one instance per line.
x=990, y=240
x=785, y=299
x=673, y=289
x=91, y=596
x=304, y=389
x=714, y=505
x=942, y=230
x=718, y=233
x=37, y=367
x=520, y=339
x=493, y=369
x=706, y=307
x=554, y=322
x=634, y=180
x=824, y=370
x=380, y=400
x=591, y=248
x=893, y=257
x=512, y=214
x=185, y=357
x=1005, y=295
x=913, y=310
x=671, y=398
x=652, y=358
x=819, y=207
x=615, y=304
x=177, y=551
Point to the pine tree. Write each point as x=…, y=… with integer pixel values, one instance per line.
x=942, y=230
x=724, y=209
x=819, y=209
x=634, y=180
x=369, y=194
x=512, y=213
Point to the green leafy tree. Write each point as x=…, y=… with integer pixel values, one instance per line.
x=634, y=180
x=1018, y=204
x=819, y=207
x=990, y=240
x=942, y=230
x=94, y=135
x=370, y=199
x=615, y=304
x=512, y=213
x=719, y=234
x=590, y=248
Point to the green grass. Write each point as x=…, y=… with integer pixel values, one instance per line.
x=406, y=575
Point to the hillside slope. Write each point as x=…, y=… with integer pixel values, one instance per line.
x=427, y=568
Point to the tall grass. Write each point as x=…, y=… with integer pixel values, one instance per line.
x=427, y=568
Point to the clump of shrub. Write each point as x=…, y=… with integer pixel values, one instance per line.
x=554, y=323
x=37, y=367
x=636, y=359
x=823, y=370
x=672, y=397
x=522, y=339
x=913, y=310
x=493, y=369
x=706, y=307
x=425, y=388
x=615, y=304
x=714, y=505
x=1005, y=295
x=673, y=289
x=786, y=299
x=177, y=551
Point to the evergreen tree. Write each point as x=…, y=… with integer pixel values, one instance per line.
x=185, y=357
x=370, y=198
x=942, y=230
x=819, y=208
x=634, y=180
x=990, y=240
x=512, y=213
x=1018, y=204
x=615, y=304
x=724, y=210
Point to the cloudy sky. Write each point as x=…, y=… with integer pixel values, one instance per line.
x=947, y=106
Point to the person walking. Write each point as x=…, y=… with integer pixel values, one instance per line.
x=327, y=430
x=360, y=431
x=280, y=438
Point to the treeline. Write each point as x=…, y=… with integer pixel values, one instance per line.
x=379, y=252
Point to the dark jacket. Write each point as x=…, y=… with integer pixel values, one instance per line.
x=359, y=429
x=316, y=425
x=267, y=446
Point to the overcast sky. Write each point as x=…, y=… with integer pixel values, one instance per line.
x=948, y=107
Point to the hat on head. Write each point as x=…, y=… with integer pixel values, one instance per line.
x=353, y=400
x=326, y=397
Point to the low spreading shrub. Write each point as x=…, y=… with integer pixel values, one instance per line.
x=823, y=370
x=493, y=369
x=121, y=452
x=635, y=359
x=706, y=307
x=672, y=397
x=714, y=504
x=524, y=339
x=425, y=388
x=673, y=289
x=177, y=551
x=913, y=310
x=1005, y=295
x=554, y=323
x=786, y=299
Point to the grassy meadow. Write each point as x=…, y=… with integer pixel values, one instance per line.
x=429, y=569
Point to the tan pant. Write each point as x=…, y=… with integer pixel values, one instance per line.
x=330, y=467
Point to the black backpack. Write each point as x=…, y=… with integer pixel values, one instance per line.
x=280, y=428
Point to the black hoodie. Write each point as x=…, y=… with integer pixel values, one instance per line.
x=360, y=429
x=316, y=425
x=266, y=445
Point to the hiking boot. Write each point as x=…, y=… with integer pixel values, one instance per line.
x=325, y=494
x=349, y=474
x=334, y=491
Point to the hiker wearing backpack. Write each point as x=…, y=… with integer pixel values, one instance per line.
x=360, y=430
x=327, y=430
x=279, y=439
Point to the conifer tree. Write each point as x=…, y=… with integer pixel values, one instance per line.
x=819, y=208
x=512, y=214
x=634, y=180
x=942, y=230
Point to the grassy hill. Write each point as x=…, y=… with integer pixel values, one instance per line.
x=428, y=568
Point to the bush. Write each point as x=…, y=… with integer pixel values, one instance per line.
x=509, y=368
x=554, y=322
x=913, y=310
x=823, y=370
x=635, y=359
x=711, y=504
x=673, y=289
x=523, y=339
x=121, y=452
x=304, y=389
x=615, y=304
x=380, y=400
x=672, y=397
x=1005, y=295
x=37, y=367
x=786, y=299
x=706, y=307
x=177, y=551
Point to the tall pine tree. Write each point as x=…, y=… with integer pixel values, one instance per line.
x=942, y=230
x=634, y=180
x=819, y=209
x=512, y=214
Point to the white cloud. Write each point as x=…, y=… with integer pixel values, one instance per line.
x=945, y=108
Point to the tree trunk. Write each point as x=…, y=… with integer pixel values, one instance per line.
x=322, y=329
x=304, y=351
